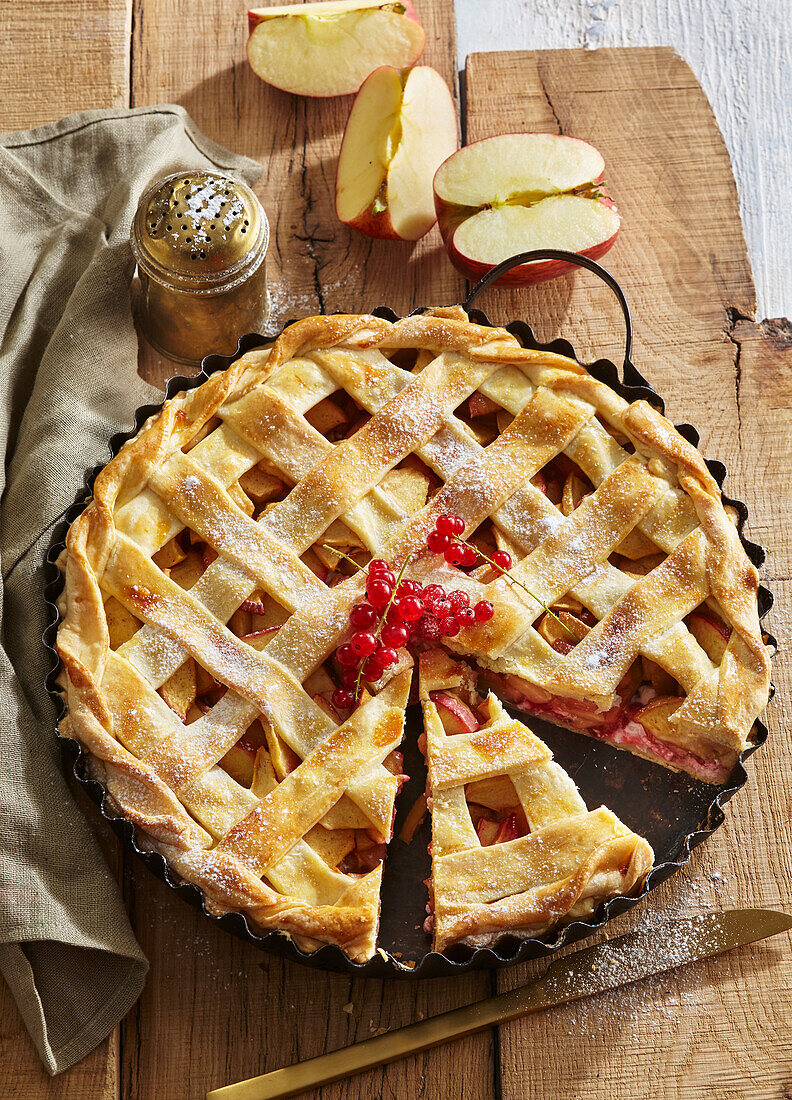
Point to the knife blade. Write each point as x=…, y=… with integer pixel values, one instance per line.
x=621, y=961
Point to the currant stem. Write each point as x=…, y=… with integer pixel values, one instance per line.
x=341, y=554
x=514, y=580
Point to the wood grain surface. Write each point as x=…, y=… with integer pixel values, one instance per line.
x=682, y=262
x=214, y=1009
x=740, y=50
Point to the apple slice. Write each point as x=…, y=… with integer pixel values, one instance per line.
x=328, y=49
x=456, y=716
x=399, y=132
x=517, y=192
x=711, y=635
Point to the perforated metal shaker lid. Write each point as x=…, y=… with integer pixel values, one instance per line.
x=199, y=231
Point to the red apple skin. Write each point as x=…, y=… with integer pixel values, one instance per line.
x=374, y=225
x=409, y=13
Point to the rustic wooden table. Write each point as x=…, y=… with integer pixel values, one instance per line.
x=215, y=1010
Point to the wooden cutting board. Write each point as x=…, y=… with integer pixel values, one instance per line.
x=214, y=1009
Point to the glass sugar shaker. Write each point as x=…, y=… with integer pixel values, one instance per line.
x=200, y=240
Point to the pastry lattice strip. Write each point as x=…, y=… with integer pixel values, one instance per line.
x=569, y=861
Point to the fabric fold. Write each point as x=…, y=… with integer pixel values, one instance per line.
x=68, y=382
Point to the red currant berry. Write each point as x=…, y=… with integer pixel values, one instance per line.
x=501, y=559
x=429, y=629
x=378, y=565
x=449, y=627
x=469, y=556
x=341, y=699
x=408, y=588
x=346, y=656
x=349, y=677
x=387, y=656
x=431, y=594
x=378, y=591
x=437, y=542
x=442, y=608
x=484, y=611
x=394, y=634
x=410, y=609
x=362, y=616
x=459, y=600
x=455, y=554
x=466, y=617
x=363, y=643
x=372, y=669
x=450, y=525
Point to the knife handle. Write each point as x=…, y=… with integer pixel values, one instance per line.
x=371, y=1053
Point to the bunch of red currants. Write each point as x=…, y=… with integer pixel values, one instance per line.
x=395, y=613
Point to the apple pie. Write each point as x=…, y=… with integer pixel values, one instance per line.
x=260, y=566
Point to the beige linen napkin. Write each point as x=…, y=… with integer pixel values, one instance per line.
x=68, y=381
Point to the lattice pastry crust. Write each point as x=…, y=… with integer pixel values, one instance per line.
x=201, y=610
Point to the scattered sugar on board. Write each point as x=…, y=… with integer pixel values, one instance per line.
x=666, y=995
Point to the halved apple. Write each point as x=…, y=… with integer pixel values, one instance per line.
x=399, y=132
x=329, y=48
x=517, y=192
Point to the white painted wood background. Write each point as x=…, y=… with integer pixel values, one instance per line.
x=741, y=52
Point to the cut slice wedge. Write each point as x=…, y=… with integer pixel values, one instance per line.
x=521, y=868
x=400, y=130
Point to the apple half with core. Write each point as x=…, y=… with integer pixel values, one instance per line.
x=517, y=192
x=330, y=47
x=400, y=130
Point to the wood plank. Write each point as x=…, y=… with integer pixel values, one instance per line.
x=214, y=1009
x=681, y=260
x=80, y=60
x=195, y=55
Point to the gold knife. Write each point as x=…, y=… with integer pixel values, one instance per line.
x=620, y=961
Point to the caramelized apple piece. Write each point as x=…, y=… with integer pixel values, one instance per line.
x=121, y=624
x=180, y=690
x=575, y=488
x=654, y=716
x=260, y=485
x=241, y=499
x=169, y=555
x=479, y=404
x=326, y=416
x=562, y=628
x=456, y=716
x=711, y=634
x=187, y=572
x=496, y=794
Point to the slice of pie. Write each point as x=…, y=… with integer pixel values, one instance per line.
x=514, y=848
x=237, y=677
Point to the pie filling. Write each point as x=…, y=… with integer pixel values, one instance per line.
x=618, y=726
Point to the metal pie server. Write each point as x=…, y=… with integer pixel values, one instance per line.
x=639, y=954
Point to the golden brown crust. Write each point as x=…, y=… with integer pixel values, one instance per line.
x=662, y=497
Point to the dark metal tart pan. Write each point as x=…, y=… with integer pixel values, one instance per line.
x=672, y=810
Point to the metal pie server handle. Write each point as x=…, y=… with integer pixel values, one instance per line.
x=617, y=962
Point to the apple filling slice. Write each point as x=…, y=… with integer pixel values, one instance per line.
x=514, y=848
